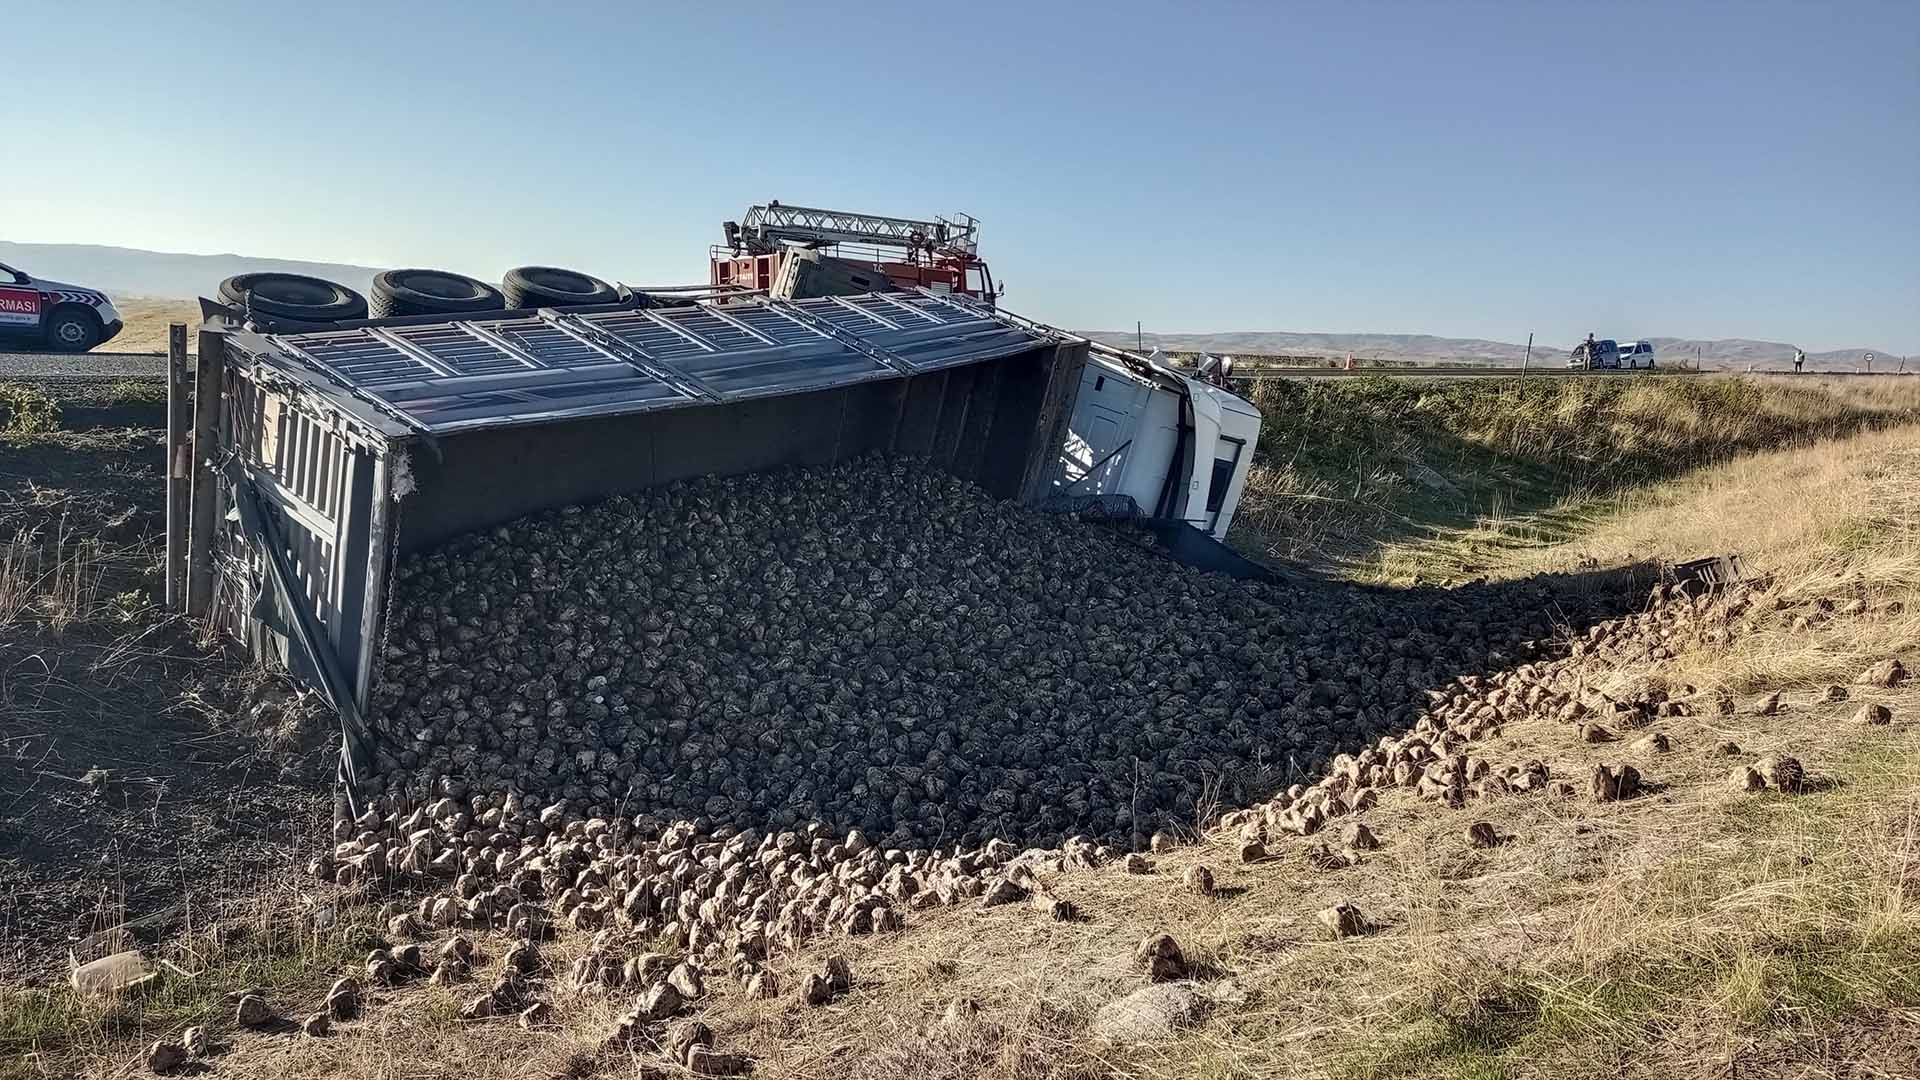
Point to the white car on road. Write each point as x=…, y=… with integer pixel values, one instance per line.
x=1607, y=354
x=54, y=314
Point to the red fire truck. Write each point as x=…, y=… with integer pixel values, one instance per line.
x=942, y=254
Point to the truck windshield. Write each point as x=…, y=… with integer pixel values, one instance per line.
x=1222, y=477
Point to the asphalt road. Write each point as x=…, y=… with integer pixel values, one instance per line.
x=34, y=367
x=1441, y=374
x=108, y=365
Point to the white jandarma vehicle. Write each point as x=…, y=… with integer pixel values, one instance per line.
x=56, y=314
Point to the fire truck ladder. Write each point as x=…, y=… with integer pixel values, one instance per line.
x=765, y=227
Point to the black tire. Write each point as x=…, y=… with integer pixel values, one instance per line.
x=551, y=286
x=72, y=328
x=431, y=292
x=293, y=296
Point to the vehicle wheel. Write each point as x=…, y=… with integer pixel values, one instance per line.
x=550, y=286
x=431, y=292
x=293, y=296
x=72, y=329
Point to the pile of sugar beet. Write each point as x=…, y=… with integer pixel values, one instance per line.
x=882, y=647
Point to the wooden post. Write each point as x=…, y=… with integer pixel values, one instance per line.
x=179, y=465
x=207, y=377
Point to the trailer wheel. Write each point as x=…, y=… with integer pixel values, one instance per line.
x=431, y=292
x=293, y=296
x=551, y=286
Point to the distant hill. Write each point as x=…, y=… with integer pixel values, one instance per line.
x=134, y=272
x=1726, y=354
x=169, y=275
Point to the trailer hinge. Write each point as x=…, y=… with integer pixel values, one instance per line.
x=852, y=341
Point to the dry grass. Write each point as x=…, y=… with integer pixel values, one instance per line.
x=147, y=319
x=1834, y=509
x=1839, y=519
x=267, y=939
x=55, y=579
x=1344, y=468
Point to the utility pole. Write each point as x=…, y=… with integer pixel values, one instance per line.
x=1528, y=358
x=1138, y=342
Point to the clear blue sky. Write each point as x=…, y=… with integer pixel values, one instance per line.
x=1709, y=170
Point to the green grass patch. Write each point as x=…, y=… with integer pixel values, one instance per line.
x=1853, y=536
x=27, y=410
x=135, y=392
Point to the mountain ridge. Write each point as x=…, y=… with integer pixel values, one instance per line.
x=175, y=275
x=163, y=274
x=1712, y=353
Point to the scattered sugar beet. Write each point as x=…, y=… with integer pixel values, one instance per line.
x=681, y=721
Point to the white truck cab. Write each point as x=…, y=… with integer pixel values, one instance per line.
x=69, y=318
x=1179, y=447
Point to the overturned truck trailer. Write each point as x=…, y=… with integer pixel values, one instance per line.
x=328, y=454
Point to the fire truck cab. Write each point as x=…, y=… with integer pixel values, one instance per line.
x=905, y=253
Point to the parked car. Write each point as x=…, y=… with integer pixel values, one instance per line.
x=1637, y=355
x=54, y=314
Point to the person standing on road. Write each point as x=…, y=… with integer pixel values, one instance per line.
x=1799, y=360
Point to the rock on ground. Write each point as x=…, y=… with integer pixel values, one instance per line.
x=1198, y=879
x=1873, y=714
x=165, y=1056
x=253, y=1011
x=1149, y=1014
x=1343, y=920
x=1783, y=772
x=1885, y=674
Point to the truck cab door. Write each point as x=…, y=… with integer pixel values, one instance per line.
x=1105, y=417
x=21, y=308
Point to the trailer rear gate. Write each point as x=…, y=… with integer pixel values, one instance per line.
x=337, y=451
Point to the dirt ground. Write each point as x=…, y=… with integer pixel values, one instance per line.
x=143, y=773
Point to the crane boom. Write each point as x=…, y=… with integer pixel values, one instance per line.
x=764, y=228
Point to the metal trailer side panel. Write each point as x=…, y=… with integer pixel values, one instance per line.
x=319, y=482
x=348, y=493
